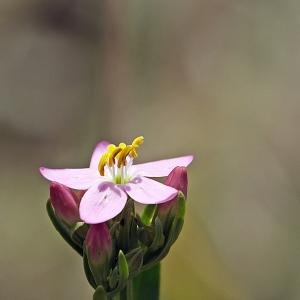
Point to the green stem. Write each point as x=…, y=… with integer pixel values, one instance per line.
x=146, y=285
x=127, y=292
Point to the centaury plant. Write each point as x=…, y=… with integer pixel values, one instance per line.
x=94, y=211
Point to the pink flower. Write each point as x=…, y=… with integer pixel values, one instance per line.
x=112, y=176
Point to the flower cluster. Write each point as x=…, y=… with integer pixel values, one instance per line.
x=93, y=210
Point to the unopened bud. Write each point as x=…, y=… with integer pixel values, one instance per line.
x=166, y=211
x=99, y=250
x=65, y=203
x=177, y=179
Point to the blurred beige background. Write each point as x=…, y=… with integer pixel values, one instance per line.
x=219, y=79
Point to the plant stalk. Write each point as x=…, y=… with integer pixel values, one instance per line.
x=146, y=286
x=127, y=292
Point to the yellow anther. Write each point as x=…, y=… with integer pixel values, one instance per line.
x=133, y=153
x=102, y=163
x=111, y=148
x=122, y=145
x=119, y=153
x=122, y=156
x=112, y=156
x=138, y=141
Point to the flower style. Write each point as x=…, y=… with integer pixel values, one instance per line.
x=112, y=176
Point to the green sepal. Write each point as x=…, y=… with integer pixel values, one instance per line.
x=179, y=218
x=123, y=267
x=62, y=228
x=159, y=237
x=88, y=272
x=149, y=214
x=78, y=233
x=175, y=229
x=113, y=278
x=99, y=271
x=177, y=209
x=100, y=293
x=181, y=205
x=127, y=238
x=135, y=259
x=117, y=278
x=146, y=235
x=114, y=230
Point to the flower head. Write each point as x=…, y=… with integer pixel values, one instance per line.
x=112, y=177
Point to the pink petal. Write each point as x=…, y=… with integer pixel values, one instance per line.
x=102, y=202
x=161, y=168
x=148, y=191
x=100, y=149
x=80, y=179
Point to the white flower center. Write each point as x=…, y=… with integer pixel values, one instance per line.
x=120, y=175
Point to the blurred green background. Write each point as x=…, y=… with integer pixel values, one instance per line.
x=219, y=79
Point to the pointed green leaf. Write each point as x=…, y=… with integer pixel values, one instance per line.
x=146, y=235
x=135, y=259
x=78, y=233
x=159, y=238
x=127, y=237
x=148, y=214
x=63, y=229
x=87, y=271
x=113, y=278
x=123, y=266
x=175, y=229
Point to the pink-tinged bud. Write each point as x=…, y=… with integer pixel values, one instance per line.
x=177, y=179
x=169, y=210
x=65, y=203
x=99, y=248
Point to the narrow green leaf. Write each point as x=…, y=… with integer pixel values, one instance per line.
x=175, y=229
x=87, y=271
x=148, y=214
x=181, y=205
x=159, y=238
x=123, y=266
x=113, y=278
x=127, y=234
x=135, y=259
x=78, y=233
x=146, y=235
x=63, y=230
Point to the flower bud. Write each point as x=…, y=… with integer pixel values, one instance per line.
x=99, y=250
x=177, y=179
x=65, y=203
x=166, y=211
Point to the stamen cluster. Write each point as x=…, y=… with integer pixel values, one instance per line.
x=117, y=157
